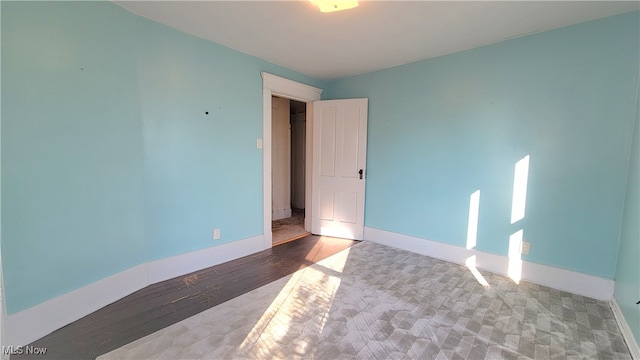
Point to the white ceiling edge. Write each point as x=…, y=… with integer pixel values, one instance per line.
x=374, y=36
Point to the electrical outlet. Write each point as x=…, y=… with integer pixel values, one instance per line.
x=526, y=246
x=216, y=234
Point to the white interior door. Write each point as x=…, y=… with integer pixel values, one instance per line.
x=339, y=163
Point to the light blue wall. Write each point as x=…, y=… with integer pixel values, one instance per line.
x=72, y=152
x=442, y=128
x=108, y=159
x=627, y=287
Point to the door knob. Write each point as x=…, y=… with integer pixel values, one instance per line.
x=360, y=172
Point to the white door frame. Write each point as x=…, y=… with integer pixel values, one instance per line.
x=279, y=86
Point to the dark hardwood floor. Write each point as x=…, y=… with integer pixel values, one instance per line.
x=163, y=304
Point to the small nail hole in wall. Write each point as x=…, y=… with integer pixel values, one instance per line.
x=206, y=113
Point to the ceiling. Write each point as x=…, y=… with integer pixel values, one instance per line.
x=374, y=36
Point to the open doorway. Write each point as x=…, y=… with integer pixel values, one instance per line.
x=288, y=89
x=352, y=121
x=288, y=168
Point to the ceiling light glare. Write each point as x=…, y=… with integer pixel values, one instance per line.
x=334, y=5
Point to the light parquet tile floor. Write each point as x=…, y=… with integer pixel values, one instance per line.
x=375, y=302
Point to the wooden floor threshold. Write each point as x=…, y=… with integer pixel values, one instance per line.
x=297, y=237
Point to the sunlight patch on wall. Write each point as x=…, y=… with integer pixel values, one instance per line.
x=472, y=236
x=518, y=205
x=515, y=262
x=472, y=225
x=520, y=189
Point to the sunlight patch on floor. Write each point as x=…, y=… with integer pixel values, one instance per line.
x=471, y=265
x=308, y=295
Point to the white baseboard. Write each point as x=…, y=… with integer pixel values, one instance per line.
x=556, y=278
x=625, y=329
x=279, y=214
x=168, y=268
x=33, y=323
